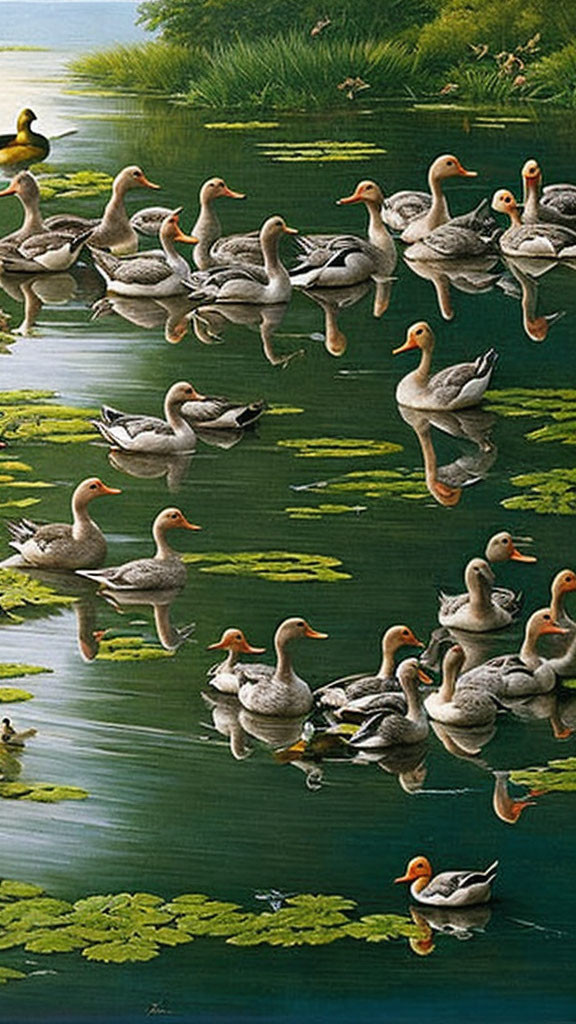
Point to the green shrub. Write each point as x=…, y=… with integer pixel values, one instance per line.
x=148, y=67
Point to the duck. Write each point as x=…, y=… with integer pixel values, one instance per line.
x=387, y=702
x=247, y=282
x=386, y=730
x=132, y=432
x=162, y=572
x=340, y=692
x=483, y=607
x=279, y=691
x=228, y=674
x=501, y=547
x=113, y=231
x=470, y=236
x=537, y=210
x=535, y=241
x=157, y=273
x=450, y=888
x=469, y=708
x=25, y=147
x=11, y=738
x=25, y=187
x=46, y=252
x=212, y=412
x=506, y=807
x=563, y=583
x=518, y=675
x=79, y=545
x=337, y=261
x=437, y=213
x=456, y=387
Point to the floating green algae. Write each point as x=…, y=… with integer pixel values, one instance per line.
x=15, y=670
x=10, y=694
x=319, y=511
x=241, y=125
x=564, y=432
x=17, y=590
x=8, y=469
x=130, y=648
x=277, y=566
x=556, y=777
x=547, y=492
x=26, y=416
x=79, y=184
x=319, y=151
x=375, y=483
x=338, y=447
x=40, y=792
x=282, y=410
x=558, y=404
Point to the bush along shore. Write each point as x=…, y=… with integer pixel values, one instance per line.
x=493, y=51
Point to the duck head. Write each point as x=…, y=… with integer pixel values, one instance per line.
x=274, y=228
x=419, y=335
x=92, y=488
x=410, y=674
x=478, y=573
x=22, y=185
x=503, y=201
x=399, y=636
x=132, y=177
x=366, y=192
x=296, y=629
x=25, y=119
x=418, y=870
x=448, y=166
x=531, y=173
x=214, y=188
x=170, y=229
x=234, y=640
x=171, y=519
x=180, y=393
x=501, y=548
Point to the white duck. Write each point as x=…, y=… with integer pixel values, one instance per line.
x=279, y=691
x=471, y=236
x=456, y=387
x=157, y=273
x=25, y=187
x=517, y=675
x=536, y=209
x=537, y=241
x=164, y=571
x=137, y=433
x=468, y=708
x=336, y=261
x=246, y=282
x=218, y=413
x=341, y=692
x=564, y=664
x=443, y=167
x=450, y=888
x=483, y=607
x=77, y=545
x=385, y=730
x=228, y=674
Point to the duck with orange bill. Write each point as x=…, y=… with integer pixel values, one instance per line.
x=341, y=692
x=385, y=729
x=469, y=709
x=244, y=281
x=456, y=387
x=77, y=545
x=337, y=261
x=164, y=570
x=535, y=240
x=450, y=888
x=277, y=690
x=536, y=208
x=507, y=807
x=134, y=432
x=24, y=146
x=518, y=675
x=157, y=273
x=228, y=674
x=444, y=167
x=25, y=187
x=564, y=660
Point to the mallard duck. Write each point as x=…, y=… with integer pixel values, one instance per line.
x=456, y=387
x=136, y=433
x=113, y=231
x=463, y=238
x=228, y=674
x=537, y=210
x=164, y=571
x=517, y=675
x=78, y=545
x=385, y=730
x=25, y=187
x=483, y=607
x=450, y=888
x=468, y=708
x=244, y=282
x=279, y=691
x=443, y=167
x=537, y=241
x=157, y=273
x=11, y=738
x=25, y=147
x=47, y=252
x=336, y=261
x=340, y=692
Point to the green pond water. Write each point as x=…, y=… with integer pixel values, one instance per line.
x=170, y=809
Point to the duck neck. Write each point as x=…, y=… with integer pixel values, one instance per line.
x=423, y=369
x=449, y=676
x=82, y=524
x=415, y=711
x=528, y=653
x=272, y=263
x=206, y=229
x=531, y=200
x=33, y=220
x=479, y=595
x=377, y=232
x=439, y=211
x=115, y=210
x=557, y=608
x=387, y=665
x=174, y=259
x=173, y=414
x=284, y=671
x=229, y=661
x=515, y=220
x=163, y=549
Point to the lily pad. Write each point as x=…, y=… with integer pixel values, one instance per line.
x=319, y=151
x=282, y=410
x=338, y=448
x=26, y=416
x=547, y=492
x=10, y=889
x=10, y=694
x=130, y=648
x=278, y=566
x=241, y=125
x=382, y=928
x=40, y=792
x=557, y=776
x=14, y=670
x=559, y=403
x=79, y=183
x=121, y=952
x=374, y=483
x=9, y=974
x=17, y=590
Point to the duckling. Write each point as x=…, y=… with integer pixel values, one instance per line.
x=25, y=147
x=11, y=738
x=228, y=674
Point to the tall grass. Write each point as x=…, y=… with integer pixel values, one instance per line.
x=146, y=67
x=555, y=76
x=292, y=72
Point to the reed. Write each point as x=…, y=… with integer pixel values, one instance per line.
x=148, y=67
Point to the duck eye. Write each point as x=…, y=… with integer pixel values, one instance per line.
x=449, y=163
x=405, y=632
x=419, y=331
x=546, y=617
x=175, y=515
x=93, y=487
x=507, y=199
x=136, y=174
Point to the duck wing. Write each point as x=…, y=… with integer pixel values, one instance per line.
x=238, y=247
x=448, y=883
x=45, y=537
x=145, y=269
x=140, y=574
x=132, y=426
x=561, y=198
x=464, y=380
x=402, y=207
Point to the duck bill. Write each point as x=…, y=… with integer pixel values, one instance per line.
x=148, y=184
x=179, y=236
x=189, y=526
x=111, y=490
x=517, y=556
x=232, y=194
x=314, y=634
x=424, y=678
x=221, y=645
x=290, y=231
x=466, y=174
x=403, y=878
x=551, y=628
x=408, y=344
x=246, y=648
x=11, y=190
x=356, y=197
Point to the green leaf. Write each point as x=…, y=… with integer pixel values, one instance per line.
x=121, y=952
x=57, y=940
x=339, y=448
x=12, y=670
x=9, y=974
x=277, y=566
x=9, y=694
x=10, y=889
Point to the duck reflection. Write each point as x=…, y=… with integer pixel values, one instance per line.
x=35, y=292
x=527, y=277
x=170, y=313
x=543, y=706
x=477, y=647
x=465, y=743
x=152, y=467
x=225, y=710
x=161, y=601
x=505, y=806
x=445, y=483
x=472, y=276
x=332, y=301
x=456, y=922
x=210, y=321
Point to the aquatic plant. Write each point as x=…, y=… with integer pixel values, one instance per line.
x=558, y=403
x=374, y=483
x=320, y=151
x=338, y=447
x=17, y=590
x=27, y=416
x=14, y=670
x=547, y=492
x=319, y=511
x=40, y=793
x=277, y=566
x=130, y=648
x=148, y=67
x=11, y=694
x=76, y=185
x=557, y=776
x=241, y=125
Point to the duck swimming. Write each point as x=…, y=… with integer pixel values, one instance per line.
x=156, y=273
x=468, y=708
x=78, y=545
x=164, y=571
x=132, y=432
x=11, y=738
x=228, y=674
x=49, y=252
x=25, y=187
x=443, y=167
x=246, y=282
x=336, y=261
x=385, y=730
x=350, y=688
x=470, y=236
x=536, y=208
x=24, y=146
x=450, y=888
x=483, y=607
x=279, y=691
x=537, y=240
x=456, y=387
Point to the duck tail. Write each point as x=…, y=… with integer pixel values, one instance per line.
x=491, y=872
x=485, y=363
x=20, y=531
x=251, y=413
x=80, y=240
